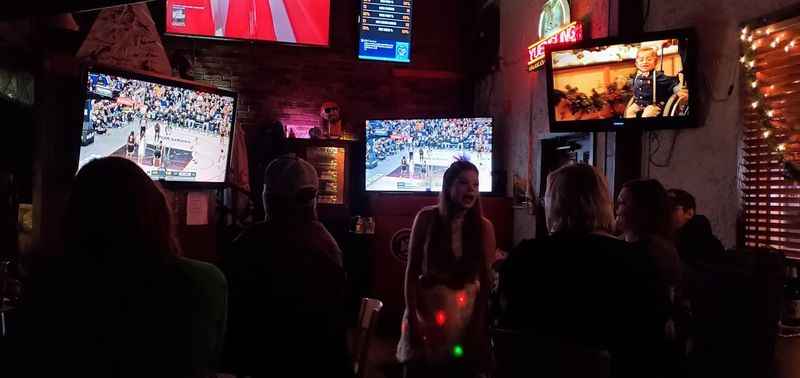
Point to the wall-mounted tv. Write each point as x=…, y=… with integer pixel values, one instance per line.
x=646, y=83
x=411, y=155
x=175, y=130
x=304, y=22
x=385, y=30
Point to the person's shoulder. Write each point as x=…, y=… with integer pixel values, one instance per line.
x=201, y=271
x=254, y=233
x=427, y=213
x=487, y=224
x=604, y=239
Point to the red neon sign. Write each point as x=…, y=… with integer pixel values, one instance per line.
x=570, y=33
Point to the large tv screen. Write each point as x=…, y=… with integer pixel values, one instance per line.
x=614, y=84
x=385, y=30
x=411, y=155
x=291, y=21
x=174, y=130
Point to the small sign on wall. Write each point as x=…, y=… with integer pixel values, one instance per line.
x=555, y=28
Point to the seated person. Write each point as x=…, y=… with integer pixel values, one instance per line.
x=694, y=239
x=580, y=289
x=120, y=302
x=644, y=105
x=289, y=294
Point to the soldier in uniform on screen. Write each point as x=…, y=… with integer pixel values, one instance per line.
x=651, y=88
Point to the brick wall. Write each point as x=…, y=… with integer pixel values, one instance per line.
x=289, y=83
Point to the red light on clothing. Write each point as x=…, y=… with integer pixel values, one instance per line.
x=441, y=318
x=461, y=298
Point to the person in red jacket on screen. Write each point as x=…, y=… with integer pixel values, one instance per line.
x=249, y=19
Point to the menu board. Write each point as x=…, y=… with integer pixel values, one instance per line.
x=329, y=162
x=385, y=30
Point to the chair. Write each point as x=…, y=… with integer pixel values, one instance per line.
x=736, y=305
x=367, y=319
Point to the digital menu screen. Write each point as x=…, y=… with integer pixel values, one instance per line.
x=385, y=30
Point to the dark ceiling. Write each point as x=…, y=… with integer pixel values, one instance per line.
x=23, y=9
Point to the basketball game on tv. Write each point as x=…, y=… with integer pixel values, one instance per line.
x=290, y=21
x=412, y=154
x=173, y=133
x=641, y=81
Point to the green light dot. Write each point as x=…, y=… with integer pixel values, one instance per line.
x=458, y=351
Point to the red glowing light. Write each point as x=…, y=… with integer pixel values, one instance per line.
x=569, y=33
x=440, y=318
x=461, y=298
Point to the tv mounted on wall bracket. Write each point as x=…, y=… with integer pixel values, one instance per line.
x=646, y=82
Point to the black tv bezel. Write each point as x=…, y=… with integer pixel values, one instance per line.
x=252, y=40
x=175, y=82
x=383, y=61
x=363, y=155
x=624, y=124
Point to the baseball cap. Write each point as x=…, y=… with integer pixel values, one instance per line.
x=291, y=178
x=682, y=198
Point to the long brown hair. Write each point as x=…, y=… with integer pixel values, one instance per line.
x=651, y=207
x=116, y=213
x=472, y=236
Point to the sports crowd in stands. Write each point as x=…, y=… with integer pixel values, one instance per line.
x=172, y=106
x=386, y=138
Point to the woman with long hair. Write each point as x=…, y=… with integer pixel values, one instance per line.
x=577, y=300
x=644, y=215
x=445, y=329
x=120, y=302
x=643, y=218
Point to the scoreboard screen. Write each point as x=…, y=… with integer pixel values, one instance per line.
x=385, y=30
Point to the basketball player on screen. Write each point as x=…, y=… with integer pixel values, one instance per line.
x=157, y=154
x=221, y=158
x=142, y=147
x=194, y=149
x=131, y=145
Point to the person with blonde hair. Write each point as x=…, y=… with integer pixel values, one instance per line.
x=582, y=301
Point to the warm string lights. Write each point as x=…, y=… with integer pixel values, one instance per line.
x=756, y=97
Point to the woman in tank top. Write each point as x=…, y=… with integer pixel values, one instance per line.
x=445, y=328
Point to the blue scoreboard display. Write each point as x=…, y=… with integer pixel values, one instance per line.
x=385, y=30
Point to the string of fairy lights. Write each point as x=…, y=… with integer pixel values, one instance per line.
x=758, y=97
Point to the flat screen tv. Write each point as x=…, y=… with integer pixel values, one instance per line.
x=175, y=130
x=645, y=83
x=411, y=155
x=385, y=30
x=305, y=22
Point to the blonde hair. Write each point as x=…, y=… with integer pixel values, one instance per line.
x=577, y=201
x=648, y=49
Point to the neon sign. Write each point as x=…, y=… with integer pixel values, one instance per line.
x=570, y=33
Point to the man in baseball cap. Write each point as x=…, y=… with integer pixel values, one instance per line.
x=288, y=290
x=290, y=189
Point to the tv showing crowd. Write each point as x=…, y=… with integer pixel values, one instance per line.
x=171, y=132
x=409, y=154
